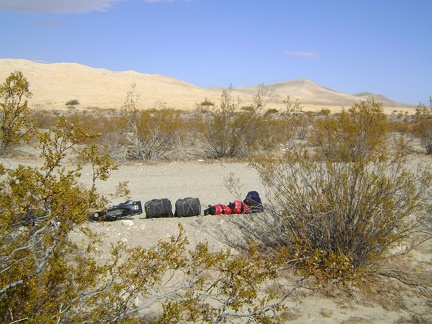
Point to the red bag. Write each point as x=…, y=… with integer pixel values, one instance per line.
x=220, y=209
x=237, y=207
x=226, y=210
x=246, y=208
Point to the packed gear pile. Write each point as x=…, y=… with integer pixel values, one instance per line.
x=184, y=207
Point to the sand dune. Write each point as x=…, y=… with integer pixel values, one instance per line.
x=54, y=84
x=308, y=92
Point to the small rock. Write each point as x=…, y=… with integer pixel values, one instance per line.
x=127, y=223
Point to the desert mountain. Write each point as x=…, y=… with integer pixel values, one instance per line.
x=307, y=92
x=377, y=97
x=54, y=84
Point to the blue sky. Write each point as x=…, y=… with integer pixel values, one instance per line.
x=351, y=46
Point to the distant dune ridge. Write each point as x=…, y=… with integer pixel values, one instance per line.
x=54, y=84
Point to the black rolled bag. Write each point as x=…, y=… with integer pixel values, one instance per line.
x=158, y=208
x=186, y=207
x=128, y=208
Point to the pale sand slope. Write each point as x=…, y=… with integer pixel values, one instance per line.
x=387, y=302
x=53, y=85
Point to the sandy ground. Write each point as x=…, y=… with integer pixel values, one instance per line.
x=385, y=301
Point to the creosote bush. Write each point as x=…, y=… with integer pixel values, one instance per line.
x=46, y=276
x=72, y=103
x=42, y=272
x=352, y=135
x=340, y=208
x=211, y=131
x=234, y=132
x=149, y=134
x=422, y=127
x=14, y=112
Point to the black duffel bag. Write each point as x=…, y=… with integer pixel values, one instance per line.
x=158, y=208
x=128, y=208
x=187, y=207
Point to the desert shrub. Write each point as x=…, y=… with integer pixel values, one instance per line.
x=422, y=127
x=223, y=124
x=352, y=213
x=44, y=119
x=154, y=134
x=324, y=112
x=352, y=135
x=400, y=137
x=297, y=123
x=14, y=114
x=338, y=218
x=106, y=123
x=72, y=103
x=205, y=104
x=47, y=276
x=232, y=132
x=149, y=134
x=282, y=129
x=271, y=111
x=214, y=287
x=110, y=128
x=401, y=127
x=42, y=273
x=113, y=138
x=274, y=134
x=292, y=107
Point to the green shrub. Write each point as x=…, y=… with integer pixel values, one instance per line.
x=46, y=276
x=422, y=127
x=149, y=134
x=339, y=210
x=357, y=134
x=271, y=111
x=233, y=132
x=44, y=119
x=72, y=103
x=207, y=103
x=14, y=112
x=43, y=275
x=296, y=122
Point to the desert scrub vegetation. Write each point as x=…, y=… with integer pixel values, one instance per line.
x=38, y=208
x=339, y=207
x=227, y=131
x=47, y=277
x=149, y=134
x=15, y=127
x=231, y=131
x=422, y=127
x=72, y=103
x=224, y=131
x=353, y=135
